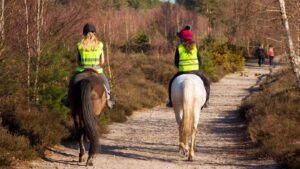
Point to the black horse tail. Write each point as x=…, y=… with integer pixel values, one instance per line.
x=90, y=124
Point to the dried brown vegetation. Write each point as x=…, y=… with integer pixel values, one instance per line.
x=273, y=117
x=37, y=56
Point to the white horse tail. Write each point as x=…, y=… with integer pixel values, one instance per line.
x=188, y=108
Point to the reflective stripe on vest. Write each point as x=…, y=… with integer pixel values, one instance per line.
x=188, y=61
x=90, y=59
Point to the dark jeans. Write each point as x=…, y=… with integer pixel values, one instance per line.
x=271, y=60
x=80, y=76
x=261, y=60
x=198, y=73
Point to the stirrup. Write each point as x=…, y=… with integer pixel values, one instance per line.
x=65, y=101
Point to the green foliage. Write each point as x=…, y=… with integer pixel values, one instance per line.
x=220, y=59
x=46, y=123
x=119, y=3
x=210, y=8
x=273, y=117
x=135, y=3
x=139, y=43
x=54, y=78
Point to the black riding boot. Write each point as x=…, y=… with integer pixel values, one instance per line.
x=169, y=103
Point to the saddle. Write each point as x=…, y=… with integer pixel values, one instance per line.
x=89, y=70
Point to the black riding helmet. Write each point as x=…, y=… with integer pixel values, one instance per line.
x=88, y=28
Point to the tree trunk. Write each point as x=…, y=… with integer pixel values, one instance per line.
x=108, y=50
x=2, y=20
x=293, y=58
x=39, y=23
x=28, y=54
x=2, y=47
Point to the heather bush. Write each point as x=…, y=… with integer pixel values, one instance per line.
x=273, y=117
x=13, y=146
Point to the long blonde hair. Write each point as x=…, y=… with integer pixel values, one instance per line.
x=90, y=42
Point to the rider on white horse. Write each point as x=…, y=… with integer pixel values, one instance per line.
x=188, y=61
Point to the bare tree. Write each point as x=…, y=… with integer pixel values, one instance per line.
x=39, y=24
x=2, y=27
x=2, y=20
x=28, y=53
x=294, y=59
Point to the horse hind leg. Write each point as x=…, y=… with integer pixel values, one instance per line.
x=90, y=160
x=193, y=146
x=82, y=155
x=183, y=149
x=183, y=145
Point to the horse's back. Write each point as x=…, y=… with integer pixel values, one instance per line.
x=97, y=90
x=189, y=85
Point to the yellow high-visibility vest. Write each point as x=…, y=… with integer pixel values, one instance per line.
x=90, y=59
x=188, y=61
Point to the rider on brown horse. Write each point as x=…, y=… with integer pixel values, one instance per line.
x=90, y=58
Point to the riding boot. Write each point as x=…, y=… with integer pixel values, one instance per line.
x=109, y=102
x=169, y=102
x=65, y=101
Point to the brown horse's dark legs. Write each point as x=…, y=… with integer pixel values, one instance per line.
x=80, y=138
x=82, y=157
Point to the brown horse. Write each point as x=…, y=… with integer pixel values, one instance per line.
x=87, y=99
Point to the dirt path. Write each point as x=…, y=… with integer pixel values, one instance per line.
x=149, y=139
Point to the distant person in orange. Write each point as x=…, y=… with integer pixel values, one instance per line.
x=271, y=55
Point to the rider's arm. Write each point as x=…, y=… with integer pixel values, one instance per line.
x=78, y=58
x=199, y=58
x=101, y=62
x=176, y=60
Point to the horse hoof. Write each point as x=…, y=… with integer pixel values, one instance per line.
x=191, y=158
x=183, y=153
x=82, y=158
x=89, y=162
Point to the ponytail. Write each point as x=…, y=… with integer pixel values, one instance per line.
x=189, y=45
x=90, y=42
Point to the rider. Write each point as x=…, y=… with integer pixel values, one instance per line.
x=90, y=57
x=188, y=61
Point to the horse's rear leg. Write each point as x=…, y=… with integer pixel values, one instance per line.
x=82, y=156
x=183, y=145
x=193, y=145
x=90, y=160
x=79, y=137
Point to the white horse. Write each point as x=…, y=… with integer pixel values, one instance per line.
x=188, y=96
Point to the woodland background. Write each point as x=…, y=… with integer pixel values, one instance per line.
x=37, y=57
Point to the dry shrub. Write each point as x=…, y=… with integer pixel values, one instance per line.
x=139, y=81
x=32, y=131
x=273, y=117
x=14, y=147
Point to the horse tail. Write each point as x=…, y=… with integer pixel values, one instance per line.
x=188, y=104
x=90, y=124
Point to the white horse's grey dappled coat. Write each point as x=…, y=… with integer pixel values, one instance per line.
x=188, y=96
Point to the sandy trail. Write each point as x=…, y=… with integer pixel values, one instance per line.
x=149, y=139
